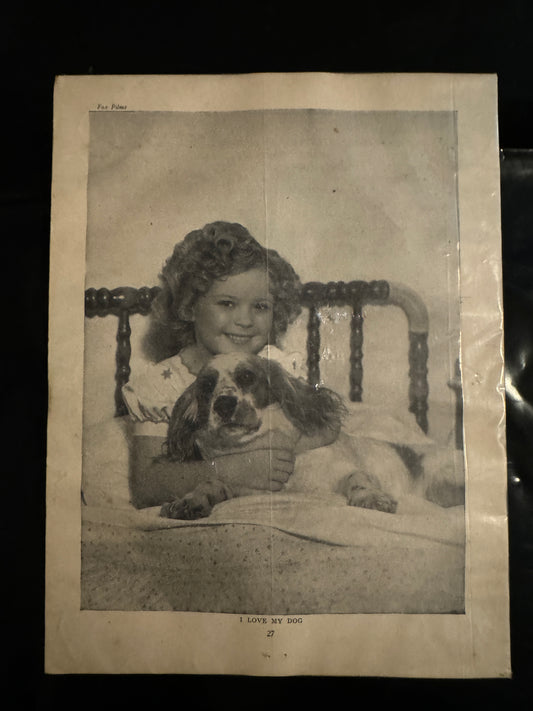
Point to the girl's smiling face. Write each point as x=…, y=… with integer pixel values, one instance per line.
x=234, y=315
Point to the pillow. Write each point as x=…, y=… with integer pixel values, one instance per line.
x=105, y=463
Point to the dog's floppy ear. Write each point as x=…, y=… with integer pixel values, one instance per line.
x=184, y=422
x=309, y=409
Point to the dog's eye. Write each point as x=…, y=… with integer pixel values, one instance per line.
x=246, y=378
x=206, y=382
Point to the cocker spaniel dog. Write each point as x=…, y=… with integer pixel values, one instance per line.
x=237, y=398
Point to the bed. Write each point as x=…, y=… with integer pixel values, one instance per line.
x=286, y=553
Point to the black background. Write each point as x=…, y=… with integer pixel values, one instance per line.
x=40, y=41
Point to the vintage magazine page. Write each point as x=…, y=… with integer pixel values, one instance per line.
x=276, y=438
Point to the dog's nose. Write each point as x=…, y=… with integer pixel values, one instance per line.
x=225, y=406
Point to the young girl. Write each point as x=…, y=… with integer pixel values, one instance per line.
x=221, y=292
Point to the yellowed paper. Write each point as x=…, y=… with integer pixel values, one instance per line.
x=374, y=177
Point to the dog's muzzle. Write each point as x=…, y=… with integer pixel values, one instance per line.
x=234, y=417
x=225, y=406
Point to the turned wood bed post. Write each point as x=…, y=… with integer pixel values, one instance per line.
x=455, y=384
x=418, y=324
x=121, y=302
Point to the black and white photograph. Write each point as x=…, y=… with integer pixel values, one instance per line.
x=273, y=355
x=285, y=438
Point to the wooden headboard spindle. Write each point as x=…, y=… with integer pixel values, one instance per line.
x=125, y=301
x=122, y=302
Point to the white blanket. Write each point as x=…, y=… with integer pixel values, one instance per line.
x=417, y=523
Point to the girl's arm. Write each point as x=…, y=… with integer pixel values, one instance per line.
x=155, y=480
x=320, y=439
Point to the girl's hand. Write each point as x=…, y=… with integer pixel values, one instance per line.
x=321, y=439
x=266, y=468
x=271, y=439
x=275, y=439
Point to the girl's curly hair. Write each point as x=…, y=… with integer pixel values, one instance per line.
x=218, y=250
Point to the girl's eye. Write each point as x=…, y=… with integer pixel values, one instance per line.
x=263, y=306
x=226, y=303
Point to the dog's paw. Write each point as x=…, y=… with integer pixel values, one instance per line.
x=198, y=503
x=190, y=508
x=372, y=499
